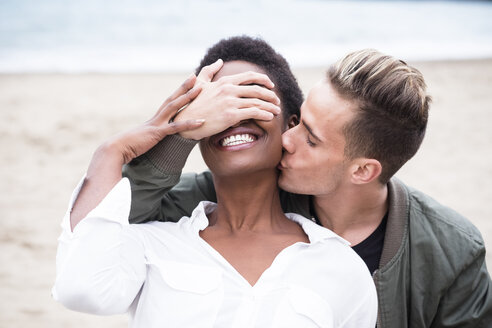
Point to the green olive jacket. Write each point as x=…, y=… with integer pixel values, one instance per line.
x=432, y=271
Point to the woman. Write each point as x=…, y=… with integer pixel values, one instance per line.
x=239, y=263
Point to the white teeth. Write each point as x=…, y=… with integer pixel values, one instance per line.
x=237, y=139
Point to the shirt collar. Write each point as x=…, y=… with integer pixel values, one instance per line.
x=315, y=232
x=199, y=219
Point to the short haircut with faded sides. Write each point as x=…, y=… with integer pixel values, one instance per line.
x=259, y=52
x=391, y=108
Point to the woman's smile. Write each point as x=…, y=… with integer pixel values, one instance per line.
x=237, y=138
x=247, y=147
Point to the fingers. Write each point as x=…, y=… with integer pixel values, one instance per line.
x=176, y=127
x=256, y=91
x=249, y=78
x=183, y=89
x=258, y=103
x=207, y=73
x=182, y=100
x=169, y=111
x=254, y=114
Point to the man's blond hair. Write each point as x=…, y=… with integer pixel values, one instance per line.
x=392, y=107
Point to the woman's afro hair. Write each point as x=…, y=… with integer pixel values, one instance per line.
x=260, y=53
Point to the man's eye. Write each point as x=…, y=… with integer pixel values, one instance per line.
x=310, y=143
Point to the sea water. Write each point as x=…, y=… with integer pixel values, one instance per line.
x=165, y=35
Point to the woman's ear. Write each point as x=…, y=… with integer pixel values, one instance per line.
x=293, y=121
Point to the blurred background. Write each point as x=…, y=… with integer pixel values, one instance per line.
x=72, y=73
x=163, y=35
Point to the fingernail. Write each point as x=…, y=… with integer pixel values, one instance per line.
x=199, y=121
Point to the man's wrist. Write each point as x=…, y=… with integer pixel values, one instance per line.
x=189, y=135
x=170, y=154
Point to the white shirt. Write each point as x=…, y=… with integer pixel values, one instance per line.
x=165, y=275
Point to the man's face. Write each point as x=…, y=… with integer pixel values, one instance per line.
x=313, y=162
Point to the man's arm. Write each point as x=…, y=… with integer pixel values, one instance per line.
x=159, y=192
x=468, y=301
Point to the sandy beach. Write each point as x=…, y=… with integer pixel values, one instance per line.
x=50, y=125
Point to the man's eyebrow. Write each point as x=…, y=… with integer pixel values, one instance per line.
x=310, y=131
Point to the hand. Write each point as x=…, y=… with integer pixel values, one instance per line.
x=228, y=101
x=105, y=167
x=139, y=140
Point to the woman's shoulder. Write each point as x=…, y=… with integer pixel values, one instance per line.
x=164, y=233
x=184, y=229
x=327, y=248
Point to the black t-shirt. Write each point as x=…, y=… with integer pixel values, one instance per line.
x=371, y=248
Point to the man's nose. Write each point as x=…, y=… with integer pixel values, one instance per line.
x=287, y=142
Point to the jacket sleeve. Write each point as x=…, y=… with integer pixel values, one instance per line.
x=468, y=301
x=159, y=192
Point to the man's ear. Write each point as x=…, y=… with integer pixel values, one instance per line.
x=365, y=170
x=293, y=121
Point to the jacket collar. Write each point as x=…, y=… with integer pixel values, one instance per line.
x=397, y=225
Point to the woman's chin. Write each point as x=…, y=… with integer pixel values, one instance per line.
x=244, y=170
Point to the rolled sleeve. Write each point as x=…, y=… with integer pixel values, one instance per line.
x=100, y=265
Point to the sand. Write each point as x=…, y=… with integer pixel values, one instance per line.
x=50, y=125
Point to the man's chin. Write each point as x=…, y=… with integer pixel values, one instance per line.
x=291, y=186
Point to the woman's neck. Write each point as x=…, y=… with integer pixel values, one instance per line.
x=248, y=202
x=248, y=227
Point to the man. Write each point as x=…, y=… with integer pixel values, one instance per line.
x=358, y=126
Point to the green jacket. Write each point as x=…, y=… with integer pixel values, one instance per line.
x=432, y=271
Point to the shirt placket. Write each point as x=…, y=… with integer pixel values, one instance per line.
x=247, y=313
